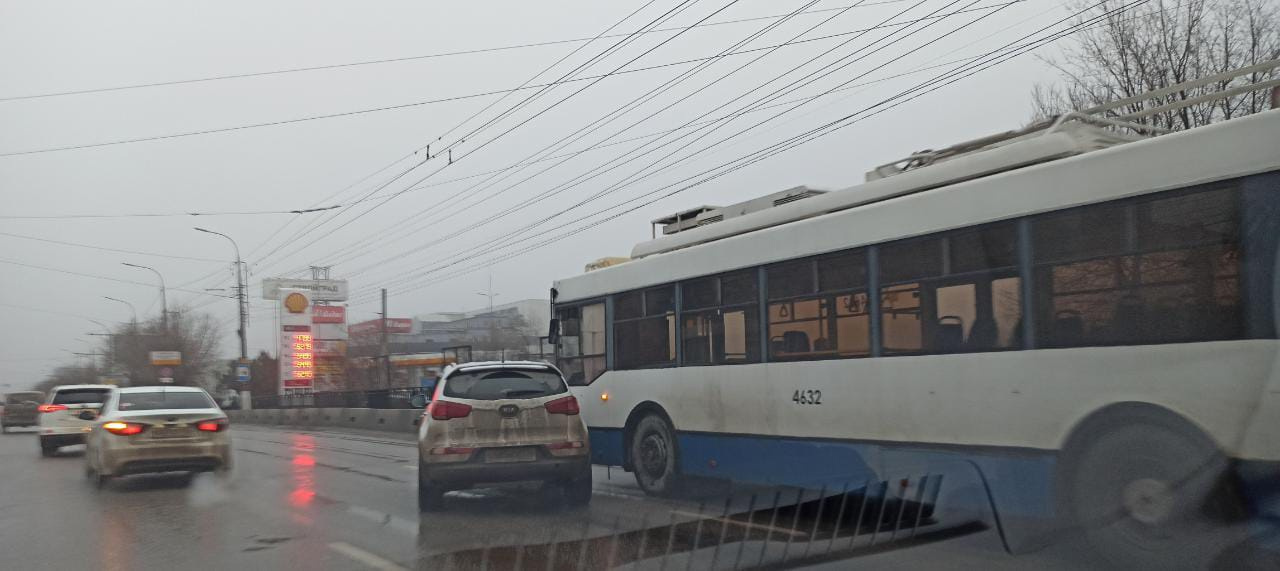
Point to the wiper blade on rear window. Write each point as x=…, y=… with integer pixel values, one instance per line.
x=522, y=392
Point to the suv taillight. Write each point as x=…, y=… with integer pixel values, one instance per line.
x=51, y=407
x=212, y=425
x=566, y=405
x=445, y=410
x=124, y=428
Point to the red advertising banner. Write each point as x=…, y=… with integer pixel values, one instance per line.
x=394, y=325
x=329, y=314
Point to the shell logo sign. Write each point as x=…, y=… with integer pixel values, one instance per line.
x=295, y=302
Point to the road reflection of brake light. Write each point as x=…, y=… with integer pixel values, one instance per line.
x=304, y=490
x=123, y=428
x=51, y=407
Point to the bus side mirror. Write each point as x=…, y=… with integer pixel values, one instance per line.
x=553, y=332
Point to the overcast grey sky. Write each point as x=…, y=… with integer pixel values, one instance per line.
x=52, y=47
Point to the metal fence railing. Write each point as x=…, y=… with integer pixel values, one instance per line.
x=774, y=528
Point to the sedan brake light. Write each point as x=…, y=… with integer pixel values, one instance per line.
x=566, y=405
x=51, y=407
x=123, y=428
x=445, y=410
x=212, y=425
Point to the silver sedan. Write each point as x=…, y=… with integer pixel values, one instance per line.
x=157, y=429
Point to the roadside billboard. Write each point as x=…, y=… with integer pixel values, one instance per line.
x=296, y=341
x=317, y=290
x=394, y=325
x=329, y=314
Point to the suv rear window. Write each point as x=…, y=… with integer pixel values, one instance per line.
x=503, y=384
x=19, y=398
x=80, y=396
x=164, y=400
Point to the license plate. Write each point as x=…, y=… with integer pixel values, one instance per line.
x=510, y=455
x=168, y=432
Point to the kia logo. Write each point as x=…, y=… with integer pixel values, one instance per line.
x=509, y=410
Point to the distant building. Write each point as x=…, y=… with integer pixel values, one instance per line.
x=510, y=330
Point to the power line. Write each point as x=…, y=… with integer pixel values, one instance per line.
x=105, y=249
x=390, y=60
x=595, y=125
x=611, y=49
x=883, y=24
x=95, y=276
x=772, y=150
x=775, y=94
x=49, y=311
x=281, y=122
x=163, y=214
x=629, y=37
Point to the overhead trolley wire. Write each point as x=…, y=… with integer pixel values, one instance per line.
x=778, y=91
x=437, y=55
x=362, y=245
x=664, y=17
x=95, y=276
x=628, y=38
x=464, y=121
x=1001, y=55
x=511, y=236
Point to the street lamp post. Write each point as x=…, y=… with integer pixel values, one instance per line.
x=111, y=343
x=241, y=305
x=131, y=308
x=164, y=303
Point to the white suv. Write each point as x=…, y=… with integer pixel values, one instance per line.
x=68, y=414
x=501, y=422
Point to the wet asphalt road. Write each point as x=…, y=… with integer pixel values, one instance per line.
x=346, y=500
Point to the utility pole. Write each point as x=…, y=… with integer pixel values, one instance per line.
x=489, y=293
x=110, y=357
x=242, y=302
x=386, y=355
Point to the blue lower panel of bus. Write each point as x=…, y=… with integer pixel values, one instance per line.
x=1020, y=481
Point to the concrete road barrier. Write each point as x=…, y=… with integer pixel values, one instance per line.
x=390, y=420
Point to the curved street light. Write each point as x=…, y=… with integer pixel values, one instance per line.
x=131, y=308
x=164, y=303
x=241, y=308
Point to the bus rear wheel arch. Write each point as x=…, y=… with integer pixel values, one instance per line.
x=652, y=451
x=1145, y=487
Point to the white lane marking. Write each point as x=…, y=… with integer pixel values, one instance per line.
x=365, y=557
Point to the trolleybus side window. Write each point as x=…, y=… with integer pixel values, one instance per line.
x=1170, y=271
x=819, y=309
x=644, y=328
x=953, y=293
x=581, y=354
x=720, y=319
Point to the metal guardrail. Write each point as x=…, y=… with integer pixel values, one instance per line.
x=378, y=398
